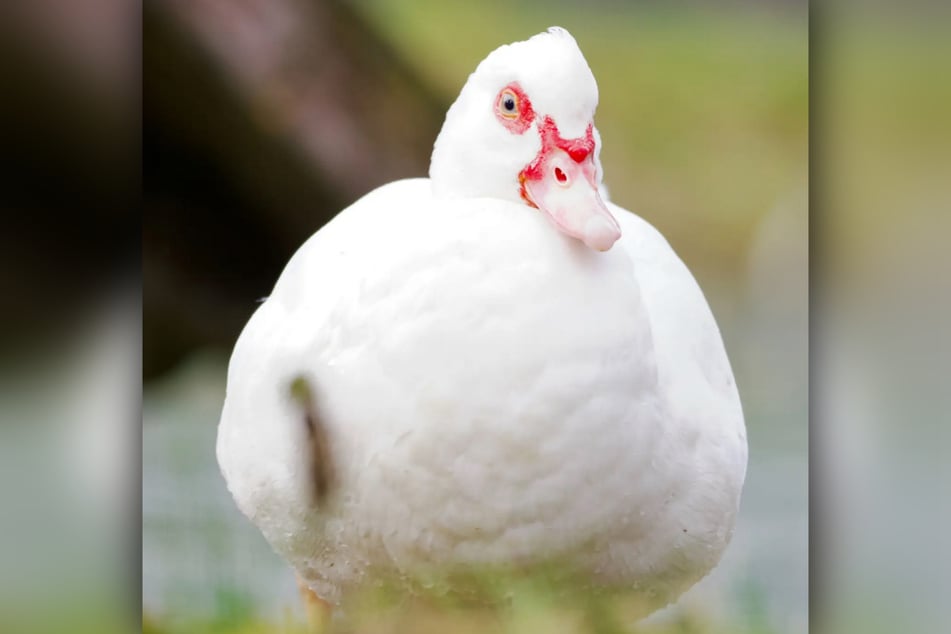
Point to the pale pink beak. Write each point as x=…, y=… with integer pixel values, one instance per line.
x=561, y=181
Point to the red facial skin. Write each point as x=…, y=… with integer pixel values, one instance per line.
x=578, y=149
x=562, y=179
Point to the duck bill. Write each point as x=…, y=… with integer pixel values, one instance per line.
x=567, y=191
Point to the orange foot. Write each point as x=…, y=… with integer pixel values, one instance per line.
x=317, y=611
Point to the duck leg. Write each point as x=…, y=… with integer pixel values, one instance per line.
x=317, y=611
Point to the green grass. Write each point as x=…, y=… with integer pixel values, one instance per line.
x=527, y=609
x=511, y=601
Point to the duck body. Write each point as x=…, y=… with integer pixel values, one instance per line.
x=517, y=379
x=495, y=392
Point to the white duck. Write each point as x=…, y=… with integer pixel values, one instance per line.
x=508, y=370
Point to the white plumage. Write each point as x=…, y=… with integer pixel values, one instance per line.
x=494, y=391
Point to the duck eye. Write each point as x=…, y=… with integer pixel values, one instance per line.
x=513, y=109
x=508, y=104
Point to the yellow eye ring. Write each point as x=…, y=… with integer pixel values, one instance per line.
x=508, y=104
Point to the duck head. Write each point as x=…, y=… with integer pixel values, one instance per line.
x=522, y=129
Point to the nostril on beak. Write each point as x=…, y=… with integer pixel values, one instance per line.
x=579, y=154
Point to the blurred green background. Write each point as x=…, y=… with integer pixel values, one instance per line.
x=263, y=119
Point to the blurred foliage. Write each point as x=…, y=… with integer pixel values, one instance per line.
x=880, y=258
x=884, y=146
x=262, y=121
